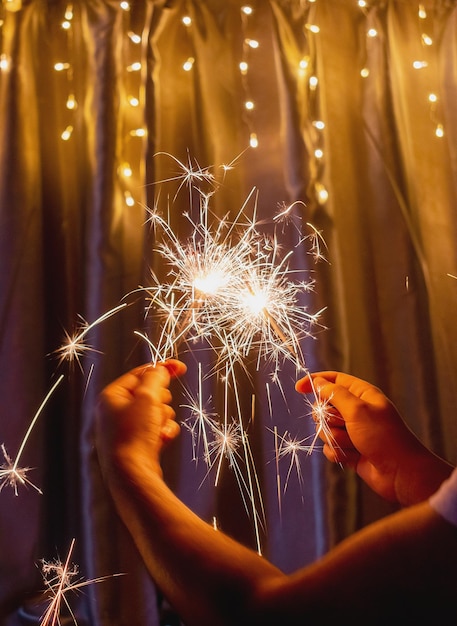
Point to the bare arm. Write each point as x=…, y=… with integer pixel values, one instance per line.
x=212, y=580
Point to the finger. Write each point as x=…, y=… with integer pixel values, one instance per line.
x=336, y=437
x=358, y=387
x=170, y=430
x=175, y=367
x=346, y=457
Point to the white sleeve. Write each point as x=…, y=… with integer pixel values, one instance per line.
x=444, y=501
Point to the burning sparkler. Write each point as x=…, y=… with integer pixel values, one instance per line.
x=231, y=286
x=10, y=472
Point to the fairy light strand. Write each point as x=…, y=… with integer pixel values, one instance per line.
x=250, y=46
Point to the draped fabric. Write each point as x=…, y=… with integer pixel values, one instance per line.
x=354, y=115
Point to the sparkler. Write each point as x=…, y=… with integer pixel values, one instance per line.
x=60, y=579
x=231, y=286
x=10, y=472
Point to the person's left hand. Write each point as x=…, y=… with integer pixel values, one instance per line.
x=135, y=418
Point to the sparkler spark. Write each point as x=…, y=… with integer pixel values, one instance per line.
x=231, y=286
x=10, y=472
x=292, y=448
x=320, y=411
x=74, y=346
x=60, y=579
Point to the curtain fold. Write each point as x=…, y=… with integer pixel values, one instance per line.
x=105, y=107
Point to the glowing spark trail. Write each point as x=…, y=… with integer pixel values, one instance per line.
x=231, y=286
x=320, y=413
x=10, y=472
x=74, y=346
x=59, y=579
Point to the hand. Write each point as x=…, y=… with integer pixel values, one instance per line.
x=365, y=432
x=135, y=418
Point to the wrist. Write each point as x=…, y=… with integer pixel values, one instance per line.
x=130, y=464
x=424, y=473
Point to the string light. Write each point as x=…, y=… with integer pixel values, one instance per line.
x=71, y=103
x=66, y=134
x=4, y=62
x=313, y=82
x=60, y=67
x=138, y=132
x=252, y=43
x=134, y=38
x=249, y=44
x=188, y=64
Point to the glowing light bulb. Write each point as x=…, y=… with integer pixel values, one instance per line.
x=304, y=63
x=319, y=124
x=60, y=67
x=372, y=32
x=71, y=103
x=188, y=65
x=126, y=170
x=439, y=130
x=422, y=12
x=247, y=10
x=129, y=200
x=364, y=72
x=186, y=20
x=321, y=193
x=4, y=62
x=432, y=97
x=252, y=43
x=125, y=6
x=318, y=153
x=243, y=67
x=418, y=65
x=253, y=140
x=249, y=105
x=67, y=133
x=362, y=4
x=138, y=132
x=134, y=38
x=426, y=40
x=134, y=67
x=313, y=82
x=314, y=28
x=66, y=25
x=69, y=12
x=134, y=102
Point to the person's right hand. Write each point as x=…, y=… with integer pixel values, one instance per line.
x=365, y=432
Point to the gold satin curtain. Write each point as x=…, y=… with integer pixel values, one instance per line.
x=354, y=114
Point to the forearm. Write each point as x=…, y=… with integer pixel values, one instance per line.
x=208, y=578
